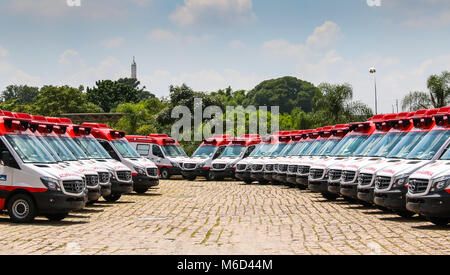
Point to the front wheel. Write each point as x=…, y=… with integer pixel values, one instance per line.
x=439, y=221
x=140, y=190
x=21, y=208
x=112, y=197
x=56, y=217
x=210, y=176
x=248, y=182
x=165, y=174
x=330, y=197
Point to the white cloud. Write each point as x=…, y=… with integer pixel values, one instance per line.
x=10, y=75
x=113, y=43
x=3, y=52
x=229, y=12
x=68, y=57
x=237, y=44
x=325, y=35
x=161, y=35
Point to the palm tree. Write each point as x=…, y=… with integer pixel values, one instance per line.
x=438, y=96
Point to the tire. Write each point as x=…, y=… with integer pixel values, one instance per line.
x=330, y=197
x=210, y=176
x=248, y=182
x=112, y=197
x=189, y=178
x=56, y=217
x=439, y=221
x=165, y=174
x=141, y=190
x=21, y=208
x=405, y=214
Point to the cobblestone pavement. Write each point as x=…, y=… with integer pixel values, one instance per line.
x=182, y=217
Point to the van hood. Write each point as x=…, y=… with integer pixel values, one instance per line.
x=356, y=164
x=113, y=164
x=404, y=167
x=373, y=168
x=56, y=171
x=141, y=162
x=433, y=170
x=325, y=162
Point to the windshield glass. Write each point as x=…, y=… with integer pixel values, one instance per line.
x=287, y=149
x=125, y=149
x=429, y=145
x=446, y=156
x=368, y=145
x=406, y=145
x=92, y=148
x=205, y=151
x=303, y=148
x=73, y=148
x=295, y=149
x=385, y=145
x=316, y=147
x=58, y=146
x=233, y=151
x=262, y=150
x=49, y=149
x=173, y=151
x=30, y=149
x=278, y=149
x=348, y=145
x=328, y=147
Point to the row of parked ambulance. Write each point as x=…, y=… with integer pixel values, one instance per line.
x=399, y=162
x=50, y=166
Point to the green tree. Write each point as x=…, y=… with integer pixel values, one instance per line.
x=22, y=94
x=438, y=95
x=135, y=117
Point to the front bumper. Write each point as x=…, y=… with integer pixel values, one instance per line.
x=281, y=177
x=366, y=193
x=302, y=180
x=105, y=189
x=143, y=181
x=258, y=176
x=334, y=188
x=243, y=175
x=199, y=172
x=268, y=176
x=434, y=205
x=175, y=171
x=393, y=199
x=227, y=173
x=52, y=202
x=349, y=190
x=93, y=193
x=118, y=188
x=291, y=178
x=318, y=186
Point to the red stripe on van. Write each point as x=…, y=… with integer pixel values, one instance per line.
x=2, y=204
x=29, y=189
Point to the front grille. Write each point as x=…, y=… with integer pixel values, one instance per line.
x=382, y=183
x=282, y=168
x=257, y=167
x=190, y=166
x=293, y=168
x=417, y=186
x=348, y=176
x=152, y=172
x=335, y=174
x=275, y=167
x=74, y=186
x=92, y=180
x=269, y=167
x=124, y=175
x=103, y=177
x=241, y=167
x=303, y=170
x=365, y=179
x=219, y=166
x=316, y=173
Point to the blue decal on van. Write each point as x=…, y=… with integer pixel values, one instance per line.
x=3, y=177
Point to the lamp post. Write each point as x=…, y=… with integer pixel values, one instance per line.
x=374, y=71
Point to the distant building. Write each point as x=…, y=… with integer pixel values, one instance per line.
x=134, y=69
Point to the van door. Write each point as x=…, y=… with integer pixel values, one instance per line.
x=219, y=152
x=109, y=149
x=249, y=151
x=6, y=171
x=157, y=154
x=144, y=150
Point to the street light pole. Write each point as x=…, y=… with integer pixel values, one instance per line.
x=373, y=71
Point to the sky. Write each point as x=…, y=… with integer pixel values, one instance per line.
x=213, y=44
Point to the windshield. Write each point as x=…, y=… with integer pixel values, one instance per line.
x=287, y=149
x=92, y=148
x=348, y=145
x=303, y=148
x=29, y=149
x=429, y=145
x=205, y=151
x=295, y=149
x=328, y=147
x=404, y=147
x=368, y=145
x=262, y=150
x=73, y=148
x=446, y=156
x=316, y=147
x=233, y=151
x=384, y=147
x=278, y=149
x=58, y=146
x=173, y=151
x=125, y=149
x=49, y=149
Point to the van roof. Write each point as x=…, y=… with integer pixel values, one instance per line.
x=103, y=131
x=153, y=139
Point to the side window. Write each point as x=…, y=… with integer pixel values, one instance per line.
x=157, y=151
x=219, y=152
x=249, y=151
x=13, y=163
x=109, y=149
x=143, y=149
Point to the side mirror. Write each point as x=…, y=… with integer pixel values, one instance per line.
x=7, y=158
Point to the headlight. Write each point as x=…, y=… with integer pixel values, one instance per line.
x=441, y=183
x=139, y=170
x=230, y=165
x=201, y=165
x=175, y=164
x=401, y=181
x=51, y=183
x=326, y=173
x=112, y=174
